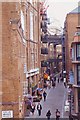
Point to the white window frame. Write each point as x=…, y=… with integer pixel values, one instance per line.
x=78, y=51
x=22, y=24
x=73, y=55
x=31, y=26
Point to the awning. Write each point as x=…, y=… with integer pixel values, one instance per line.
x=39, y=89
x=75, y=116
x=28, y=102
x=76, y=86
x=28, y=96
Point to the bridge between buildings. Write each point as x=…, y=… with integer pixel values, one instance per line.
x=56, y=40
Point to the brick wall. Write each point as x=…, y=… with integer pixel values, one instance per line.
x=72, y=21
x=13, y=56
x=16, y=53
x=0, y=58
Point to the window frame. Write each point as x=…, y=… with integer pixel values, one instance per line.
x=77, y=52
x=78, y=76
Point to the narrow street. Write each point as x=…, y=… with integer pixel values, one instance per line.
x=40, y=48
x=55, y=100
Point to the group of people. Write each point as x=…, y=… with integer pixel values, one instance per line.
x=39, y=108
x=48, y=114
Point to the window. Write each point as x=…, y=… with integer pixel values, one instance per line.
x=44, y=50
x=31, y=25
x=78, y=74
x=22, y=24
x=73, y=56
x=22, y=20
x=78, y=51
x=31, y=1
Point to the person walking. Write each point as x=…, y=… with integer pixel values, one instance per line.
x=44, y=95
x=39, y=108
x=65, y=82
x=53, y=84
x=58, y=80
x=57, y=114
x=48, y=114
x=33, y=108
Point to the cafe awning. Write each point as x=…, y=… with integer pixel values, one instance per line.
x=39, y=89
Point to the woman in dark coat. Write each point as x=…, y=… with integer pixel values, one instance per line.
x=33, y=108
x=48, y=114
x=57, y=114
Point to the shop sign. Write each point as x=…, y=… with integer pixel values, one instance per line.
x=7, y=114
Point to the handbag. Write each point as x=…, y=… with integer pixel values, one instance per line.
x=58, y=114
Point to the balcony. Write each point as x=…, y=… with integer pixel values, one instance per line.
x=44, y=30
x=42, y=13
x=55, y=60
x=44, y=26
x=44, y=63
x=44, y=50
x=44, y=38
x=44, y=16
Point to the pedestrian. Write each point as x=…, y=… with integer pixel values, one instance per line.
x=58, y=80
x=49, y=86
x=55, y=79
x=57, y=114
x=33, y=108
x=65, y=82
x=48, y=114
x=53, y=84
x=44, y=95
x=39, y=108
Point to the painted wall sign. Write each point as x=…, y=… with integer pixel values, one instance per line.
x=7, y=114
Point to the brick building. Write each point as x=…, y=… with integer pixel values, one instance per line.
x=20, y=54
x=75, y=75
x=0, y=60
x=72, y=20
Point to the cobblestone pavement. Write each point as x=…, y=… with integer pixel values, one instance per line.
x=55, y=100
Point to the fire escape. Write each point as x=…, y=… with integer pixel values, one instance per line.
x=51, y=64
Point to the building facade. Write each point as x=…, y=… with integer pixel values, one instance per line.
x=72, y=20
x=20, y=55
x=75, y=59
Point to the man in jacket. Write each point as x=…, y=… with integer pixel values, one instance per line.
x=39, y=108
x=44, y=95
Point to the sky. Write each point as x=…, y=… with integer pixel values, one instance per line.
x=58, y=10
